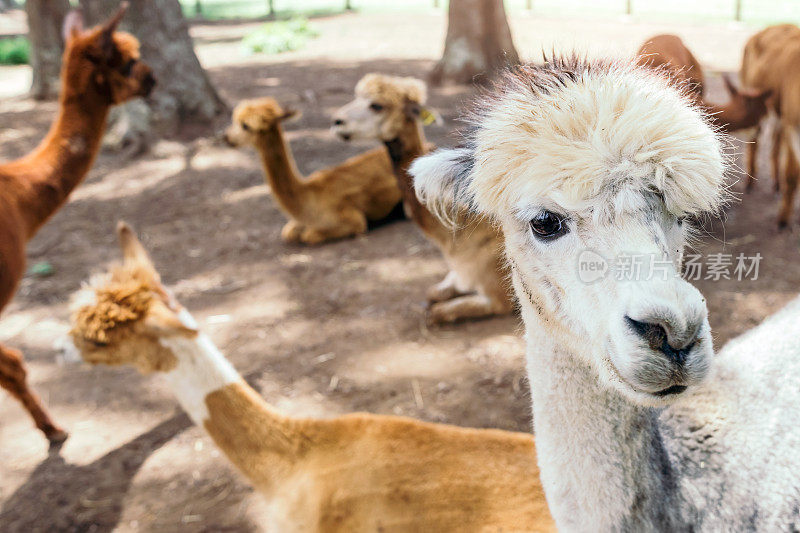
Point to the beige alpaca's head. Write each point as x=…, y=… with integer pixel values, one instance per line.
x=588, y=167
x=382, y=106
x=253, y=117
x=121, y=317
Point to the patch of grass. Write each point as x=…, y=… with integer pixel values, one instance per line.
x=280, y=36
x=15, y=51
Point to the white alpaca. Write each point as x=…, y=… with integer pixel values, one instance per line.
x=638, y=426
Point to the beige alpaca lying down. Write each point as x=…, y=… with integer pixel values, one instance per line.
x=390, y=109
x=358, y=472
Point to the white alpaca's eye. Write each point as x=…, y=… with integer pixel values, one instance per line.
x=548, y=226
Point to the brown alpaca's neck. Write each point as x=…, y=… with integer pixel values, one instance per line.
x=280, y=169
x=46, y=176
x=730, y=117
x=403, y=150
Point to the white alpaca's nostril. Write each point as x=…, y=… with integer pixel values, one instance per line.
x=664, y=332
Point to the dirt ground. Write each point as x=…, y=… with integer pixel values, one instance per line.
x=319, y=331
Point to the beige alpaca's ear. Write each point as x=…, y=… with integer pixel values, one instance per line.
x=73, y=25
x=415, y=110
x=161, y=321
x=429, y=116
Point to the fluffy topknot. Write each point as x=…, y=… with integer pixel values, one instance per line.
x=104, y=311
x=578, y=132
x=391, y=90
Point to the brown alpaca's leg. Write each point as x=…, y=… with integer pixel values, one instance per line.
x=791, y=173
x=13, y=378
x=775, y=159
x=751, y=152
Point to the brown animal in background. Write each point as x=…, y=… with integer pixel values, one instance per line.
x=101, y=68
x=764, y=54
x=389, y=109
x=354, y=473
x=744, y=108
x=332, y=203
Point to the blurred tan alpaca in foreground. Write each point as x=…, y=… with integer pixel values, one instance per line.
x=358, y=472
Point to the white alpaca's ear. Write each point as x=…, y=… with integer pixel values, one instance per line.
x=442, y=180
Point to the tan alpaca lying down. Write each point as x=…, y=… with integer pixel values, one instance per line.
x=331, y=203
x=358, y=472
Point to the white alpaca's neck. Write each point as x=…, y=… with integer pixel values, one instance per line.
x=602, y=459
x=202, y=369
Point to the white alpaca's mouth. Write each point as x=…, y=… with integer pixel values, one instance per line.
x=647, y=397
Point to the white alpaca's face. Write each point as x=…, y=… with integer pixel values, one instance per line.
x=612, y=287
x=604, y=281
x=590, y=168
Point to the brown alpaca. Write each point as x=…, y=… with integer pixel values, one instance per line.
x=744, y=109
x=770, y=62
x=330, y=204
x=101, y=68
x=354, y=473
x=390, y=109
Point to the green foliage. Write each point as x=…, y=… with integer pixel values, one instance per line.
x=14, y=51
x=281, y=36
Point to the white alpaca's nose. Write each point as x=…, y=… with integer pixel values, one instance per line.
x=661, y=335
x=671, y=322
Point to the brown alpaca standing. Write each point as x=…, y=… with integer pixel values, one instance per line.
x=354, y=473
x=389, y=109
x=770, y=62
x=330, y=204
x=744, y=109
x=101, y=68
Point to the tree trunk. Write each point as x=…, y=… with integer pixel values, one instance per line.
x=183, y=94
x=478, y=42
x=45, y=19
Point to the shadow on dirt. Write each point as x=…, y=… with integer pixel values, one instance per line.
x=84, y=497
